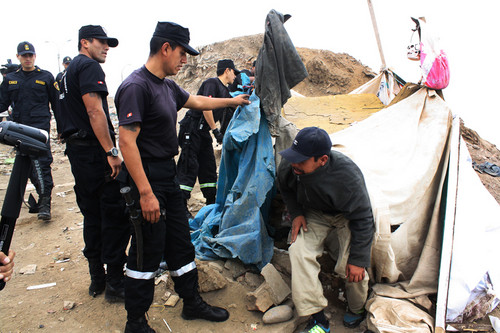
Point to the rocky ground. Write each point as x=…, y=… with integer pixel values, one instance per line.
x=55, y=247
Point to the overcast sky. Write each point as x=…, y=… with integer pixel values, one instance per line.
x=468, y=31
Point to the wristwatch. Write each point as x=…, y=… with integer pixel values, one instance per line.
x=113, y=152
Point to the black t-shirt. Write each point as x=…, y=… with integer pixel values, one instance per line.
x=212, y=87
x=84, y=75
x=146, y=99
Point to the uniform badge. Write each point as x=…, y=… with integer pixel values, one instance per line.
x=100, y=82
x=26, y=47
x=56, y=85
x=129, y=114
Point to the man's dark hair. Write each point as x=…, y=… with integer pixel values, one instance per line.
x=90, y=39
x=157, y=42
x=221, y=71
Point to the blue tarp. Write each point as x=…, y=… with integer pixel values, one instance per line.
x=236, y=226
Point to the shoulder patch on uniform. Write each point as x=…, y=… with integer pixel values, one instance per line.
x=56, y=85
x=12, y=82
x=129, y=114
x=40, y=82
x=100, y=82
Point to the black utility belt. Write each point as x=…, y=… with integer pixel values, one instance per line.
x=82, y=142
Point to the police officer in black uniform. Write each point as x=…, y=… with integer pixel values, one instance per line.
x=32, y=92
x=197, y=158
x=66, y=61
x=90, y=146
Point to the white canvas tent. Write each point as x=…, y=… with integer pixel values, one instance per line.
x=419, y=175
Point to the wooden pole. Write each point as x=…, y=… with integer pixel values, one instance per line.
x=375, y=28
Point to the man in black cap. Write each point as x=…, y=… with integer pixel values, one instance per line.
x=324, y=190
x=197, y=158
x=147, y=105
x=32, y=92
x=86, y=128
x=66, y=61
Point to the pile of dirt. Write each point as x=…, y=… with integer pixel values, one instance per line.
x=329, y=73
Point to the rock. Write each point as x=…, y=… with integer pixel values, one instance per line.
x=253, y=280
x=235, y=267
x=28, y=269
x=281, y=260
x=172, y=301
x=210, y=279
x=278, y=314
x=217, y=265
x=68, y=305
x=279, y=289
x=260, y=299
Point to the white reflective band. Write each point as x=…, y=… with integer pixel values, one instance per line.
x=208, y=185
x=184, y=269
x=186, y=188
x=139, y=275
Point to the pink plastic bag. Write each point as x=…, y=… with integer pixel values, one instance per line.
x=437, y=75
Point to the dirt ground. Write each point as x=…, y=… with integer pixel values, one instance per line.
x=55, y=247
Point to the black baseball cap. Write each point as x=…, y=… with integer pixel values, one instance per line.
x=66, y=60
x=175, y=33
x=227, y=63
x=96, y=31
x=309, y=142
x=25, y=47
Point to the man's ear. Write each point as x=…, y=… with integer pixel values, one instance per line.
x=323, y=159
x=165, y=47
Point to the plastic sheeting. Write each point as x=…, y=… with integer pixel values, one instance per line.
x=236, y=225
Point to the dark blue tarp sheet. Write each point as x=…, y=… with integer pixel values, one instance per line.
x=236, y=225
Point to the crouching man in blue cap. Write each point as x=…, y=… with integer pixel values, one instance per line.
x=324, y=189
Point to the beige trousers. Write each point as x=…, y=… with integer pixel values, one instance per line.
x=307, y=292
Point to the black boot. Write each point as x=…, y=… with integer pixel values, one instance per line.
x=97, y=277
x=44, y=208
x=197, y=308
x=115, y=284
x=139, y=325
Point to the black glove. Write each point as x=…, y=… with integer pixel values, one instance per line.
x=218, y=135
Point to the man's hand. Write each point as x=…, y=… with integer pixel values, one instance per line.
x=150, y=207
x=354, y=273
x=7, y=266
x=218, y=135
x=241, y=100
x=116, y=165
x=297, y=223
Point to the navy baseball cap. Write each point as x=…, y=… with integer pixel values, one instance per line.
x=96, y=31
x=175, y=33
x=309, y=142
x=25, y=47
x=227, y=63
x=66, y=60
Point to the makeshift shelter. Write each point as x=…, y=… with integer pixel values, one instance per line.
x=386, y=85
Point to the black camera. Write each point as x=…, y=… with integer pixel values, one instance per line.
x=8, y=67
x=28, y=140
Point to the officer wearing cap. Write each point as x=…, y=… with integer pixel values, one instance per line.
x=147, y=105
x=66, y=61
x=95, y=162
x=197, y=158
x=324, y=190
x=32, y=92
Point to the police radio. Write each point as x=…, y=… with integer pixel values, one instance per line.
x=28, y=141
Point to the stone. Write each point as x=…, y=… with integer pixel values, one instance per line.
x=235, y=267
x=28, y=269
x=172, y=301
x=278, y=314
x=260, y=299
x=210, y=279
x=68, y=305
x=253, y=280
x=279, y=289
x=281, y=260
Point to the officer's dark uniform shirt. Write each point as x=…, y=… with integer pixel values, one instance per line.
x=212, y=87
x=154, y=103
x=30, y=93
x=84, y=75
